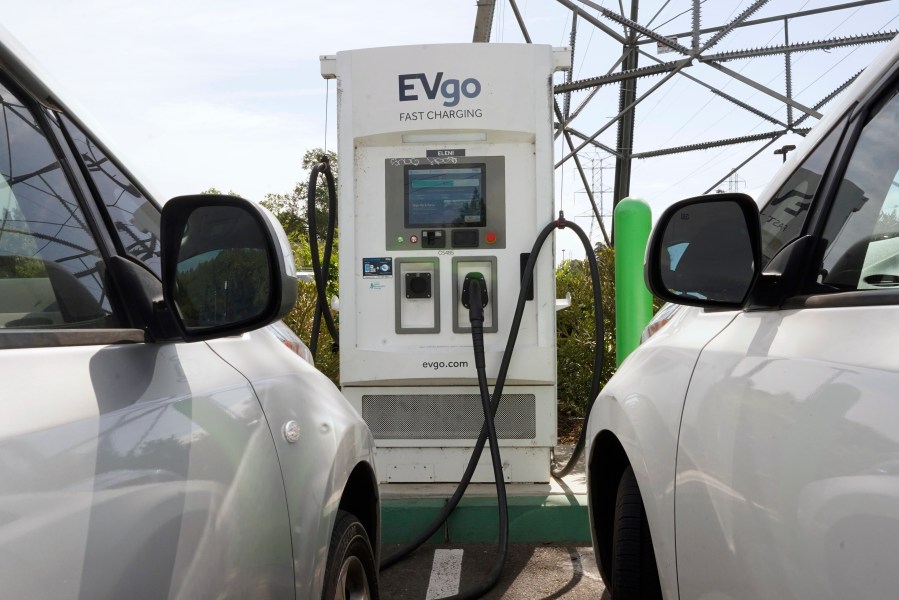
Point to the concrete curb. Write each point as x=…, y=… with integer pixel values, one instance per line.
x=538, y=513
x=531, y=519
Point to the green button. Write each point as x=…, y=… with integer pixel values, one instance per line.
x=400, y=239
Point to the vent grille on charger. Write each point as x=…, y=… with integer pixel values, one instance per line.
x=447, y=416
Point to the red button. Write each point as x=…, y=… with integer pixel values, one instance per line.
x=490, y=238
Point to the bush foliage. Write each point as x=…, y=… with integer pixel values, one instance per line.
x=574, y=330
x=300, y=321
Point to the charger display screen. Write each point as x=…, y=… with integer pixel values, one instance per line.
x=445, y=195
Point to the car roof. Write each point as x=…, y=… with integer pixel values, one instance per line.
x=863, y=84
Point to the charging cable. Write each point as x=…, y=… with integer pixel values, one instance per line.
x=474, y=298
x=321, y=266
x=557, y=472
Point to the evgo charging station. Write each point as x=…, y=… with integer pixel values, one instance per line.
x=446, y=161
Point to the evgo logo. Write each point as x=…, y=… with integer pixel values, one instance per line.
x=451, y=90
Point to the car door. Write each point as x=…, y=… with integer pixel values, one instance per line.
x=788, y=464
x=128, y=468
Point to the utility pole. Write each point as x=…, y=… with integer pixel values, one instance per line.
x=734, y=182
x=602, y=189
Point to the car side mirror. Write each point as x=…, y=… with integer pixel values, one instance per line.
x=227, y=267
x=705, y=251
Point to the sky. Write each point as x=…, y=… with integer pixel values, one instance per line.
x=228, y=94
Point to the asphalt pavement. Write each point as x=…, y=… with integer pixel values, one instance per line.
x=532, y=572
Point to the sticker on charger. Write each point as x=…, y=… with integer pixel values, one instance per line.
x=379, y=268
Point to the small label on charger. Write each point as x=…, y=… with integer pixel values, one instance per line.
x=377, y=268
x=445, y=153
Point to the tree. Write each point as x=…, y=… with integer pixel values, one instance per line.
x=291, y=208
x=218, y=192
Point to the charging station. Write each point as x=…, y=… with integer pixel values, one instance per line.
x=446, y=171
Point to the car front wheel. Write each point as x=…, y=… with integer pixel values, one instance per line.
x=351, y=572
x=634, y=572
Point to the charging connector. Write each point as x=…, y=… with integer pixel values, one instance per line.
x=467, y=296
x=474, y=298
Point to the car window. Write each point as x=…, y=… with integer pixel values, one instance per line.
x=784, y=216
x=134, y=218
x=861, y=235
x=51, y=271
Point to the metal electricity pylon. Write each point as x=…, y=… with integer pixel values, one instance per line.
x=701, y=46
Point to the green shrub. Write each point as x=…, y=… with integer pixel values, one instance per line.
x=300, y=321
x=574, y=331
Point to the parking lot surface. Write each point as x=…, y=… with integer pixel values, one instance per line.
x=532, y=572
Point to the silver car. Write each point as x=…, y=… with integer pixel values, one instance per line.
x=154, y=441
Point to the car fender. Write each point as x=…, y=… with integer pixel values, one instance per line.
x=333, y=440
x=641, y=407
x=354, y=457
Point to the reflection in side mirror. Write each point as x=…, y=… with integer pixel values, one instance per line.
x=221, y=246
x=705, y=251
x=225, y=267
x=202, y=294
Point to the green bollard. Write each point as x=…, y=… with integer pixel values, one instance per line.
x=633, y=302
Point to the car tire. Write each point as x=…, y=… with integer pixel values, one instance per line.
x=634, y=572
x=351, y=573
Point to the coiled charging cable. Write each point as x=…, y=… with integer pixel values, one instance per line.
x=321, y=265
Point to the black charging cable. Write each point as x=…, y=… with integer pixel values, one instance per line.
x=598, y=357
x=599, y=335
x=474, y=298
x=321, y=266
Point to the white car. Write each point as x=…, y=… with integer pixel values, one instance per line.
x=154, y=441
x=749, y=449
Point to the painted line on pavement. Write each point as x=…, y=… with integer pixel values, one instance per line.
x=445, y=574
x=587, y=564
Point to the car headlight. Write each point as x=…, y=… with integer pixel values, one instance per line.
x=287, y=337
x=661, y=318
